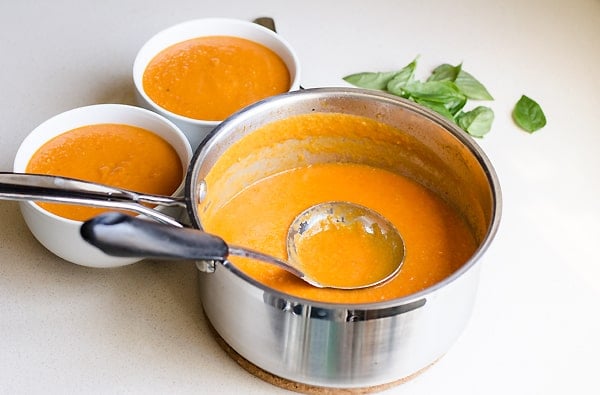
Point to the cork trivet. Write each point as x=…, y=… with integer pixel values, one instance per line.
x=300, y=387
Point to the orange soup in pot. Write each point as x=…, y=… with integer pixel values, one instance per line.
x=258, y=206
x=209, y=78
x=118, y=155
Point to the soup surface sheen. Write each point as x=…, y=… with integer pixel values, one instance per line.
x=209, y=78
x=118, y=155
x=437, y=239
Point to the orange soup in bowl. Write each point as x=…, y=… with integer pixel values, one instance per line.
x=209, y=78
x=118, y=155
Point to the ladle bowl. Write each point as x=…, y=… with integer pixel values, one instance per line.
x=345, y=223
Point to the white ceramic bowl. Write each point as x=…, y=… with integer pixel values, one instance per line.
x=195, y=129
x=61, y=235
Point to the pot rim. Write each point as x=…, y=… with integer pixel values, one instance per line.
x=247, y=113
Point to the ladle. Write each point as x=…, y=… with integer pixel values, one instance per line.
x=122, y=235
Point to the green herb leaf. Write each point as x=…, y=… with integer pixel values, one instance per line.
x=445, y=72
x=371, y=80
x=437, y=92
x=476, y=122
x=528, y=115
x=397, y=84
x=437, y=107
x=446, y=92
x=470, y=87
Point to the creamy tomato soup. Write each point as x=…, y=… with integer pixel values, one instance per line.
x=210, y=78
x=118, y=155
x=257, y=212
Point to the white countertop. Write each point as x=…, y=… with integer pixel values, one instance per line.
x=140, y=329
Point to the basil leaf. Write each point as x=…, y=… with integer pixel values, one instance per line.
x=528, y=115
x=371, y=80
x=445, y=72
x=437, y=92
x=476, y=122
x=437, y=107
x=470, y=87
x=446, y=92
x=397, y=84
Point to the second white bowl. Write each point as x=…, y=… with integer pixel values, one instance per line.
x=61, y=235
x=196, y=130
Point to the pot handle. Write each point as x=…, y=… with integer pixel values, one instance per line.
x=56, y=189
x=126, y=236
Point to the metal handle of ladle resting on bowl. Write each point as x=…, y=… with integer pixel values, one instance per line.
x=55, y=189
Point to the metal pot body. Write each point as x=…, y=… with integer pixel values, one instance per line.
x=340, y=347
x=351, y=346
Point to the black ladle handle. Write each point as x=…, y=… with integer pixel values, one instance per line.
x=126, y=236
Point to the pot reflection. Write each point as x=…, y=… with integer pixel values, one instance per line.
x=336, y=332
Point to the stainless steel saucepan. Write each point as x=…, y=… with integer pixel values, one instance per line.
x=347, y=345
